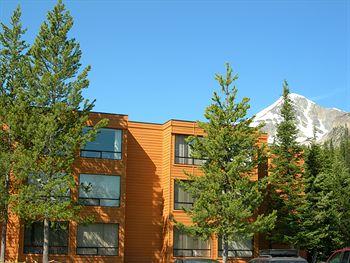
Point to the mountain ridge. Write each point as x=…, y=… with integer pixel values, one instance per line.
x=308, y=115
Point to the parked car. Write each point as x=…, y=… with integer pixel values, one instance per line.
x=278, y=256
x=196, y=260
x=340, y=256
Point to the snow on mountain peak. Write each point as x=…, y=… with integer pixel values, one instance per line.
x=308, y=115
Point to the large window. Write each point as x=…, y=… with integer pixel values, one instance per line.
x=183, y=151
x=34, y=236
x=182, y=199
x=97, y=239
x=187, y=246
x=238, y=249
x=99, y=190
x=44, y=186
x=107, y=145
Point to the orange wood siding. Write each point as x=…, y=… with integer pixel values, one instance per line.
x=144, y=193
x=147, y=172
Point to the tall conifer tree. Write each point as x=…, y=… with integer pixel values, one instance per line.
x=325, y=214
x=313, y=223
x=58, y=115
x=13, y=108
x=286, y=186
x=227, y=200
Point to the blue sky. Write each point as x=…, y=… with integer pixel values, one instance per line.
x=156, y=60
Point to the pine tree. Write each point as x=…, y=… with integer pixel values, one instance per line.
x=58, y=115
x=227, y=199
x=345, y=146
x=313, y=228
x=325, y=215
x=286, y=186
x=13, y=108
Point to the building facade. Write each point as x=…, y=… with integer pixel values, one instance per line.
x=127, y=183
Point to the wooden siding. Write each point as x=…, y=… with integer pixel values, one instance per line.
x=148, y=173
x=144, y=211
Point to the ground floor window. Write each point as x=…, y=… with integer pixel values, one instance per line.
x=97, y=239
x=243, y=248
x=188, y=246
x=34, y=237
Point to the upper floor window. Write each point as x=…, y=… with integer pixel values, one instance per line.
x=188, y=246
x=34, y=238
x=238, y=249
x=99, y=190
x=183, y=151
x=107, y=145
x=182, y=199
x=97, y=239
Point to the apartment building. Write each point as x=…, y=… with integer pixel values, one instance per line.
x=131, y=170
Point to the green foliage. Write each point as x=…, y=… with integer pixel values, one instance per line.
x=54, y=129
x=227, y=199
x=13, y=104
x=326, y=212
x=286, y=184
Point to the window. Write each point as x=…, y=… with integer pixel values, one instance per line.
x=335, y=258
x=107, y=145
x=183, y=151
x=182, y=199
x=55, y=192
x=98, y=239
x=346, y=257
x=99, y=190
x=187, y=246
x=34, y=237
x=238, y=249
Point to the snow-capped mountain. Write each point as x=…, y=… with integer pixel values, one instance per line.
x=308, y=115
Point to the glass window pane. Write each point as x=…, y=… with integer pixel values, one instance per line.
x=185, y=245
x=335, y=258
x=90, y=154
x=240, y=248
x=183, y=151
x=107, y=144
x=182, y=199
x=97, y=189
x=346, y=257
x=58, y=242
x=99, y=239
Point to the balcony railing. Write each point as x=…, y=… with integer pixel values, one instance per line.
x=238, y=253
x=91, y=201
x=101, y=154
x=29, y=249
x=94, y=251
x=180, y=205
x=191, y=252
x=188, y=160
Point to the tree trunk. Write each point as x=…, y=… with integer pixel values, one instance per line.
x=4, y=223
x=3, y=238
x=224, y=249
x=46, y=241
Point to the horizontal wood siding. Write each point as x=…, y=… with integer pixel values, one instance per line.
x=144, y=210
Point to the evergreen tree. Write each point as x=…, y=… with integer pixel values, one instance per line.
x=312, y=220
x=227, y=200
x=345, y=146
x=325, y=214
x=58, y=115
x=286, y=186
x=13, y=108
